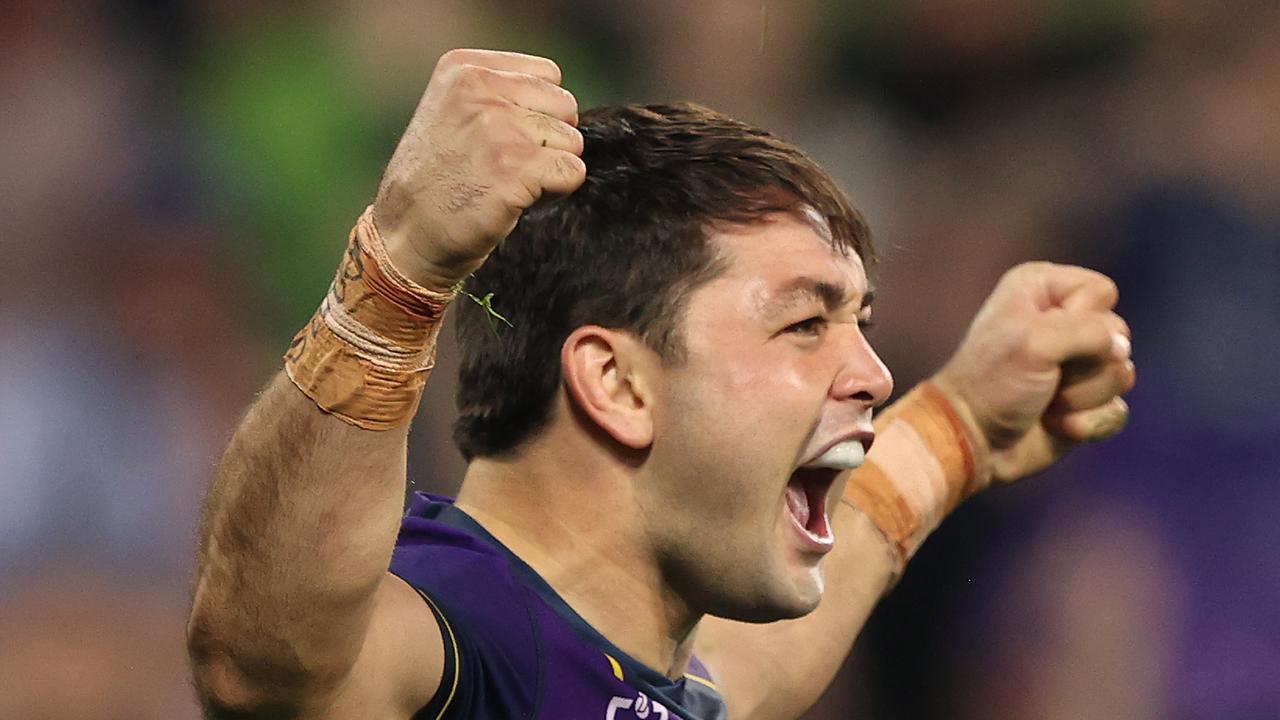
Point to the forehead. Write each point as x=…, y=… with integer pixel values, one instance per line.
x=768, y=258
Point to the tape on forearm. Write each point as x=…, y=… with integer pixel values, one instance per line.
x=925, y=461
x=366, y=353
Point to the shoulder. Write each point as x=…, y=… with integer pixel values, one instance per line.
x=482, y=609
x=463, y=574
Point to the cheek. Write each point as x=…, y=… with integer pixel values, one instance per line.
x=715, y=459
x=762, y=378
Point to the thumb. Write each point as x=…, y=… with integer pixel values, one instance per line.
x=1089, y=425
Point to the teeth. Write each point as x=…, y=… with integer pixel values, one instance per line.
x=845, y=456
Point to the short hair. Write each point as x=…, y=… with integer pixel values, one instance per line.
x=623, y=251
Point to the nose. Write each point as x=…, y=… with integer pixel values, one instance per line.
x=863, y=375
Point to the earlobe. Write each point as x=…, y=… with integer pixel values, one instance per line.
x=603, y=376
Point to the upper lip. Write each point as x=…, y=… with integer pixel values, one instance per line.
x=865, y=435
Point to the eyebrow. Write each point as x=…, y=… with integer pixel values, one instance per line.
x=803, y=289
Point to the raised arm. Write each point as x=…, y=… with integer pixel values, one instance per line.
x=1041, y=370
x=295, y=614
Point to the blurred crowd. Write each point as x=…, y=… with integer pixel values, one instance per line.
x=177, y=180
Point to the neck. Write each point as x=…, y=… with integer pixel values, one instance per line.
x=572, y=517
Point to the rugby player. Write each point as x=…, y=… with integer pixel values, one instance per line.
x=666, y=404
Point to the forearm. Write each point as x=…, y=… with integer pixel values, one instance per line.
x=302, y=517
x=298, y=532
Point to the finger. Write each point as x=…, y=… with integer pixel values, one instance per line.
x=1093, y=291
x=1072, y=287
x=544, y=68
x=535, y=93
x=560, y=172
x=548, y=132
x=1121, y=348
x=1098, y=423
x=1058, y=336
x=1086, y=392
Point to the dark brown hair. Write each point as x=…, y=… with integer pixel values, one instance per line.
x=623, y=251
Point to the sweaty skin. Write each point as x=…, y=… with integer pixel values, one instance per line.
x=294, y=612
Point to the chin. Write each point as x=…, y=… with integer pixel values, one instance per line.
x=806, y=596
x=780, y=600
x=775, y=611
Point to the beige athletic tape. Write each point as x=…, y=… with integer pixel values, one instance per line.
x=925, y=461
x=366, y=353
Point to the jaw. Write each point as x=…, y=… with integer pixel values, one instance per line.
x=798, y=570
x=805, y=584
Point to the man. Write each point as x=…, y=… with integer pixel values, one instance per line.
x=664, y=385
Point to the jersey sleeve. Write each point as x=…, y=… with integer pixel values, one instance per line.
x=492, y=660
x=442, y=704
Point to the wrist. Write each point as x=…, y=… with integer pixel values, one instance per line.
x=365, y=354
x=969, y=428
x=926, y=460
x=404, y=242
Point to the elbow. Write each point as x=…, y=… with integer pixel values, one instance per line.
x=247, y=680
x=222, y=684
x=224, y=693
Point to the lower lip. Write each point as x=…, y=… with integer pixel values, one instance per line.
x=809, y=542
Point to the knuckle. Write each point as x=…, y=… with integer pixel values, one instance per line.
x=1018, y=272
x=486, y=119
x=576, y=140
x=491, y=120
x=569, y=100
x=502, y=158
x=470, y=77
x=1108, y=289
x=552, y=68
x=507, y=157
x=1129, y=378
x=454, y=56
x=570, y=166
x=1095, y=338
x=460, y=56
x=1118, y=324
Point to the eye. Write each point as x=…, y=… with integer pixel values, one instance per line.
x=812, y=326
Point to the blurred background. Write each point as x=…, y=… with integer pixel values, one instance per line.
x=177, y=181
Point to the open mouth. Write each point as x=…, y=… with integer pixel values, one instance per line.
x=810, y=485
x=807, y=502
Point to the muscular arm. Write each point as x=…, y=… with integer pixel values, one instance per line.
x=295, y=615
x=297, y=537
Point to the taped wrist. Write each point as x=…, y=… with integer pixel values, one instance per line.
x=926, y=460
x=366, y=353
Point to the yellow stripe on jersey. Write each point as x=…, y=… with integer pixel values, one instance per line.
x=704, y=681
x=453, y=643
x=617, y=669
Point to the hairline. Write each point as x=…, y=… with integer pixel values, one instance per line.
x=673, y=354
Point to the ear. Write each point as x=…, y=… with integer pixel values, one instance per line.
x=606, y=374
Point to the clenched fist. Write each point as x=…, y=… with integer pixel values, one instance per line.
x=493, y=133
x=1042, y=367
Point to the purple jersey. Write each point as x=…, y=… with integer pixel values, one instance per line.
x=513, y=647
